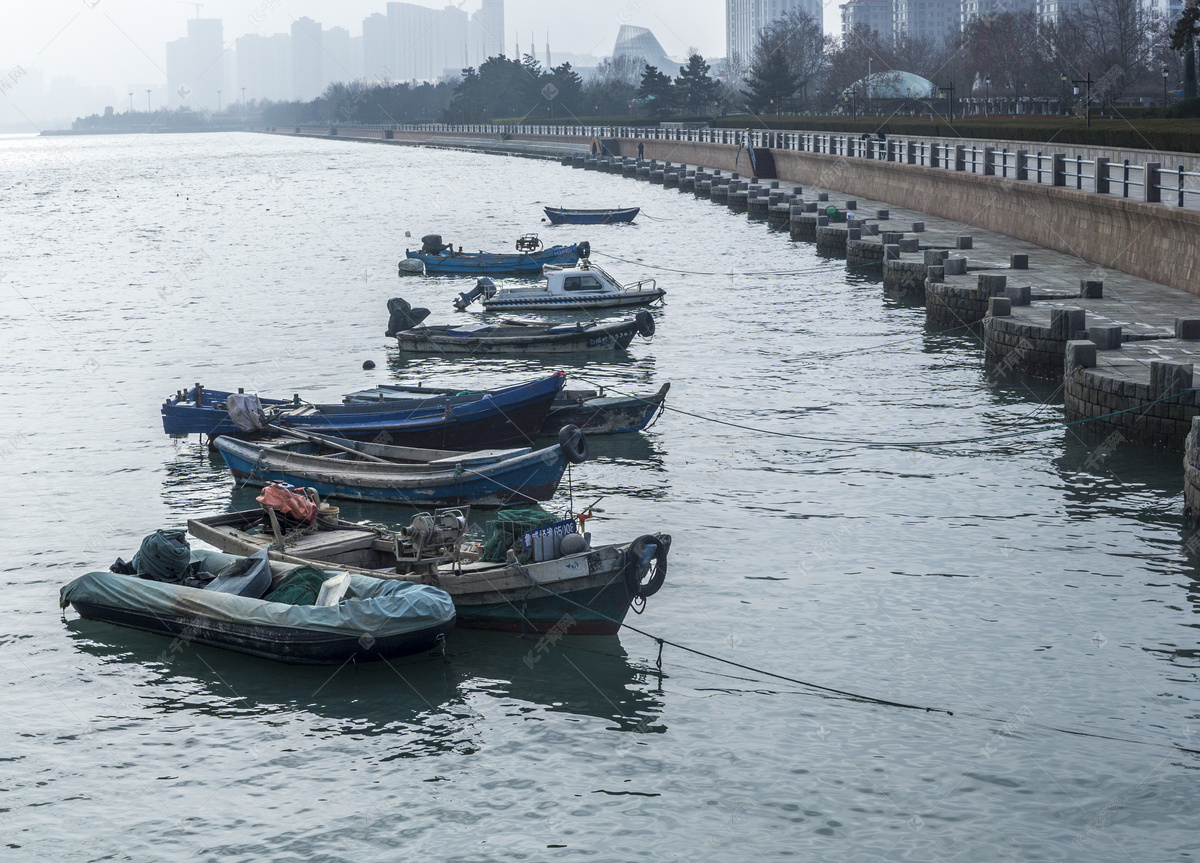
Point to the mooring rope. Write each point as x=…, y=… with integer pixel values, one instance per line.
x=873, y=444
x=824, y=269
x=858, y=696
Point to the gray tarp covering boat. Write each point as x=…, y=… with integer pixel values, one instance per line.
x=378, y=619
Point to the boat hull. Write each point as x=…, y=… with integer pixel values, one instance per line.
x=289, y=646
x=501, y=417
x=606, y=337
x=526, y=479
x=493, y=264
x=605, y=416
x=628, y=299
x=558, y=216
x=388, y=619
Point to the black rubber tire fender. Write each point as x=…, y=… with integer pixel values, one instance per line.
x=634, y=570
x=574, y=444
x=645, y=323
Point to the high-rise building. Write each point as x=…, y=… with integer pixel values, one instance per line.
x=876, y=14
x=926, y=19
x=485, y=35
x=336, y=63
x=745, y=19
x=196, y=66
x=308, y=52
x=264, y=67
x=426, y=44
x=971, y=9
x=377, y=65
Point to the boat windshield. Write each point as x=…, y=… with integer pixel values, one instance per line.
x=582, y=283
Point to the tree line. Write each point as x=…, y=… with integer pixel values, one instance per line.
x=994, y=62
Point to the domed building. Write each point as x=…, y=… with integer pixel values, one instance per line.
x=892, y=85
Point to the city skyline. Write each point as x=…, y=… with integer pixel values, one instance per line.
x=121, y=44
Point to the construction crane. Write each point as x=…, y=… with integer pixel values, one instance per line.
x=190, y=3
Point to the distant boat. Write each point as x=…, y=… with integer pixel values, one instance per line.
x=353, y=470
x=435, y=259
x=565, y=216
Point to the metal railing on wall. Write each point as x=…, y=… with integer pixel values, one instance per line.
x=1149, y=181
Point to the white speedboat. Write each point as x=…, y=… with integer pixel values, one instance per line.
x=583, y=286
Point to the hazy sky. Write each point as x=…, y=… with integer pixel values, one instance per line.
x=120, y=42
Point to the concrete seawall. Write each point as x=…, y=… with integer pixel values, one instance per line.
x=1156, y=242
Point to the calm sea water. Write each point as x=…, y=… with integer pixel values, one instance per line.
x=1032, y=580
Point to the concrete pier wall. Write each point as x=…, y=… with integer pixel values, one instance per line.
x=1156, y=242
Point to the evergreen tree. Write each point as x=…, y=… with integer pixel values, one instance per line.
x=771, y=79
x=695, y=88
x=657, y=90
x=1187, y=28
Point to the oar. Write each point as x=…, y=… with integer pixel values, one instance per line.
x=326, y=442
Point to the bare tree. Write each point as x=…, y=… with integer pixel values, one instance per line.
x=801, y=41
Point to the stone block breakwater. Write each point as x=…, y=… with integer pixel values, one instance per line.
x=1122, y=346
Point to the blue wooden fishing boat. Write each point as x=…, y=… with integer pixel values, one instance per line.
x=436, y=259
x=591, y=409
x=567, y=216
x=355, y=470
x=502, y=417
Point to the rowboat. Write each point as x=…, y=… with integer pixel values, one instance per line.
x=450, y=263
x=378, y=618
x=590, y=409
x=520, y=336
x=550, y=579
x=568, y=289
x=566, y=216
x=382, y=473
x=447, y=420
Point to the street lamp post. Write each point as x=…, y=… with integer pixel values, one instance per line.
x=987, y=98
x=130, y=101
x=1062, y=105
x=1087, y=107
x=948, y=92
x=147, y=101
x=868, y=86
x=1164, y=74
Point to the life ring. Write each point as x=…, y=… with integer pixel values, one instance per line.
x=574, y=444
x=645, y=323
x=637, y=565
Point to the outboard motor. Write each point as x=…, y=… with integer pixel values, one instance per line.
x=485, y=287
x=431, y=244
x=403, y=316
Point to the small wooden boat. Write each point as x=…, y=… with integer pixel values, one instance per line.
x=449, y=420
x=594, y=412
x=566, y=216
x=378, y=618
x=520, y=336
x=355, y=470
x=549, y=583
x=436, y=259
x=566, y=289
